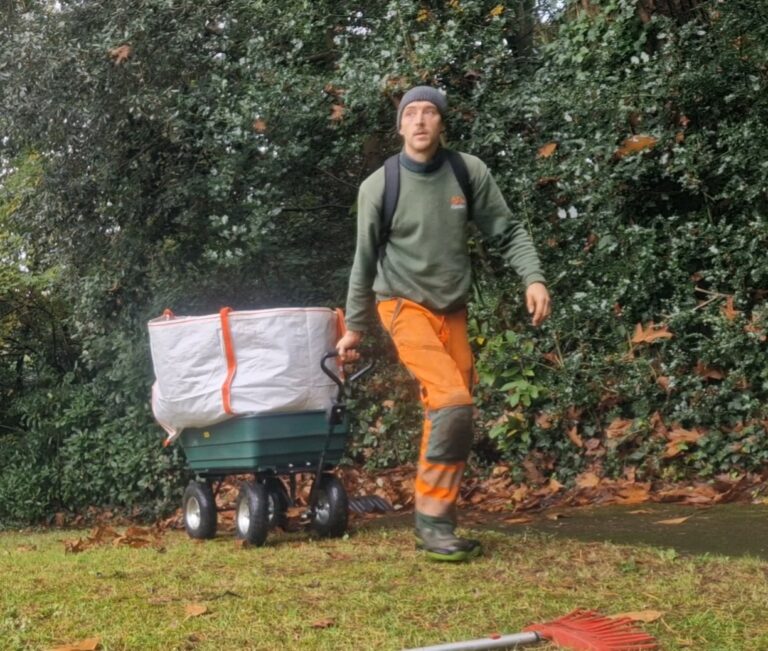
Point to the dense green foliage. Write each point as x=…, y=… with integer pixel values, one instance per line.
x=193, y=155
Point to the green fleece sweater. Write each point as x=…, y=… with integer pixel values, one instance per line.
x=426, y=259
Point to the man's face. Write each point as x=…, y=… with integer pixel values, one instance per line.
x=420, y=126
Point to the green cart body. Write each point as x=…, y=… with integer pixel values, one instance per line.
x=278, y=443
x=266, y=446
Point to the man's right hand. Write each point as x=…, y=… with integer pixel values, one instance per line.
x=347, y=346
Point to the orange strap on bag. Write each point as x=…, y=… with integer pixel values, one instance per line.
x=229, y=352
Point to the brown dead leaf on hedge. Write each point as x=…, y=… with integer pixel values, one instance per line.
x=650, y=333
x=547, y=150
x=679, y=439
x=707, y=372
x=618, y=428
x=121, y=53
x=635, y=144
x=729, y=311
x=573, y=436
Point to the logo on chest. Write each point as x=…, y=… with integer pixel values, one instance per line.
x=457, y=202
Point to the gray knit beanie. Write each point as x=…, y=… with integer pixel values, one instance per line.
x=423, y=94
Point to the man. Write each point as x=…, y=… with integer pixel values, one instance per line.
x=419, y=279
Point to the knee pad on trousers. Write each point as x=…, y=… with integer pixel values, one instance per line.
x=451, y=434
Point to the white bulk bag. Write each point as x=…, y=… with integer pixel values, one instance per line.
x=210, y=368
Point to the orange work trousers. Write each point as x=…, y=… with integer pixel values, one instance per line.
x=435, y=349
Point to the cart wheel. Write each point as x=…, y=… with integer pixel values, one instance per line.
x=199, y=508
x=278, y=503
x=252, y=513
x=330, y=512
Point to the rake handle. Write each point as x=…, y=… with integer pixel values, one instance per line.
x=500, y=642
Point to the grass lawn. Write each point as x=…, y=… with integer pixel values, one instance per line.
x=371, y=590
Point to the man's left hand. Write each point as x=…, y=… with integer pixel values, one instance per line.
x=538, y=303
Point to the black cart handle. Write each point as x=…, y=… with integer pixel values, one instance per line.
x=339, y=382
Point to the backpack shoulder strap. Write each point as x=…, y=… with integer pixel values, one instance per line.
x=391, y=195
x=461, y=173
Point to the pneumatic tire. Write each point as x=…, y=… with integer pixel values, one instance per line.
x=199, y=508
x=330, y=513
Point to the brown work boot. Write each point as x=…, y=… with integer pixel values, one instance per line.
x=442, y=545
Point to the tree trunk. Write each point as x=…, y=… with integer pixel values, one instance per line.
x=522, y=43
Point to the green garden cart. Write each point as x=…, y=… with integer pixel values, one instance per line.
x=270, y=447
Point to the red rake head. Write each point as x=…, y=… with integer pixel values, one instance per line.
x=586, y=630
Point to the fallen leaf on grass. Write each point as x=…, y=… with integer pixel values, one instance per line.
x=674, y=521
x=75, y=546
x=641, y=512
x=523, y=519
x=640, y=616
x=554, y=516
x=338, y=556
x=89, y=644
x=324, y=623
x=195, y=610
